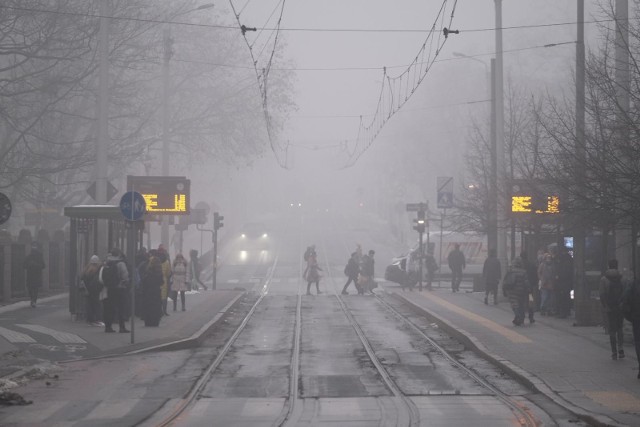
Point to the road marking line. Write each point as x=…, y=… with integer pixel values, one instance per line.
x=15, y=337
x=506, y=332
x=63, y=337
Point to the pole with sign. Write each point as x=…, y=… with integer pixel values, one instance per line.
x=133, y=208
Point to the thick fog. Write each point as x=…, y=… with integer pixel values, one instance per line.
x=337, y=78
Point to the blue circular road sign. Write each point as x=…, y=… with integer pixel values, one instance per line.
x=132, y=205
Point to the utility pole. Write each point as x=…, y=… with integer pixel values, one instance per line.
x=624, y=241
x=102, y=142
x=582, y=294
x=492, y=235
x=168, y=52
x=502, y=189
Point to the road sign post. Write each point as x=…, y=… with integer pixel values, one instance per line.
x=133, y=208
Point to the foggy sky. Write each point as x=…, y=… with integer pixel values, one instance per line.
x=437, y=115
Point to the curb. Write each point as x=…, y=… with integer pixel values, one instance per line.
x=25, y=303
x=195, y=339
x=524, y=377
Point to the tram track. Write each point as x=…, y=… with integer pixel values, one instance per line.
x=521, y=412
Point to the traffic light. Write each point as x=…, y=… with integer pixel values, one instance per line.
x=217, y=221
x=420, y=222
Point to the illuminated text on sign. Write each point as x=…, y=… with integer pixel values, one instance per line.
x=179, y=203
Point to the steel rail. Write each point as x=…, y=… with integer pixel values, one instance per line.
x=183, y=404
x=411, y=415
x=525, y=418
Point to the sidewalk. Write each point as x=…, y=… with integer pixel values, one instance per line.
x=51, y=334
x=571, y=365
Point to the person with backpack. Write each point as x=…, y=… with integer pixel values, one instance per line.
x=34, y=265
x=515, y=287
x=351, y=270
x=631, y=312
x=611, y=292
x=91, y=283
x=114, y=275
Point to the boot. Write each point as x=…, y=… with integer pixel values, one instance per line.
x=182, y=297
x=175, y=305
x=164, y=308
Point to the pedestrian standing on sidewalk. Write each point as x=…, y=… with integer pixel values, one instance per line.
x=93, y=287
x=611, y=291
x=34, y=264
x=114, y=275
x=532, y=275
x=564, y=284
x=515, y=286
x=151, y=284
x=179, y=281
x=166, y=277
x=546, y=275
x=491, y=273
x=312, y=273
x=351, y=270
x=457, y=263
x=631, y=311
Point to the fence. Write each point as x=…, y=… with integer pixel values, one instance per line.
x=12, y=255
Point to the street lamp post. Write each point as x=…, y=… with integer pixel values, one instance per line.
x=492, y=227
x=167, y=43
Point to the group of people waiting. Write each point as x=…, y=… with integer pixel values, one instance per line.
x=107, y=286
x=542, y=285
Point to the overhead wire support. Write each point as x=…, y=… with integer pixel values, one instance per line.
x=393, y=94
x=262, y=73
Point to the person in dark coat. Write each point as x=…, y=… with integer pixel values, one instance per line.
x=532, y=275
x=564, y=283
x=457, y=263
x=351, y=271
x=151, y=282
x=515, y=286
x=34, y=264
x=491, y=273
x=611, y=296
x=631, y=310
x=114, y=275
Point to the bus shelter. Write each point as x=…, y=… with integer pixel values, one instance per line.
x=87, y=236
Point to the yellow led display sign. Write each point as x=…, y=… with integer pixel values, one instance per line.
x=164, y=195
x=525, y=204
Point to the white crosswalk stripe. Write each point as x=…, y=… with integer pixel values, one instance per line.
x=63, y=337
x=15, y=337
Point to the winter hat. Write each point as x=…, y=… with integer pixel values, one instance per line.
x=94, y=260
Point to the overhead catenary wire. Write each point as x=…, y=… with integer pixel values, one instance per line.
x=393, y=94
x=321, y=30
x=280, y=151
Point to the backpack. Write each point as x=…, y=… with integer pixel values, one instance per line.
x=614, y=295
x=109, y=274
